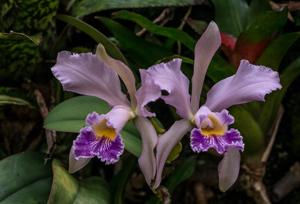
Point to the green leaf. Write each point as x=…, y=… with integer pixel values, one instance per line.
x=120, y=180
x=250, y=130
x=9, y=100
x=231, y=15
x=69, y=116
x=219, y=69
x=140, y=51
x=271, y=107
x=258, y=7
x=182, y=172
x=197, y=25
x=86, y=7
x=24, y=179
x=275, y=52
x=264, y=26
x=36, y=39
x=67, y=190
x=172, y=33
x=95, y=34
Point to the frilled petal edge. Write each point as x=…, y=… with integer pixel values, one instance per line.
x=250, y=83
x=85, y=74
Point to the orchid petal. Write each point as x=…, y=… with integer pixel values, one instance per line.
x=86, y=74
x=169, y=78
x=229, y=169
x=121, y=69
x=250, y=83
x=76, y=165
x=205, y=49
x=147, y=160
x=166, y=143
x=147, y=93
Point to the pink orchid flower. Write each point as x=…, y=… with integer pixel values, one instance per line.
x=211, y=121
x=97, y=75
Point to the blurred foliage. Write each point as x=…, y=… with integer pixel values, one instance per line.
x=33, y=31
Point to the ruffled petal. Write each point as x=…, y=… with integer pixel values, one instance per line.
x=250, y=83
x=148, y=92
x=76, y=164
x=84, y=143
x=147, y=160
x=166, y=143
x=169, y=78
x=117, y=117
x=205, y=49
x=122, y=69
x=87, y=75
x=200, y=143
x=109, y=151
x=229, y=169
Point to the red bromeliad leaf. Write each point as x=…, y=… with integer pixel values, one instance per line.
x=248, y=50
x=228, y=44
x=237, y=49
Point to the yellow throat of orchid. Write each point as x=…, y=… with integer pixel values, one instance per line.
x=215, y=128
x=103, y=130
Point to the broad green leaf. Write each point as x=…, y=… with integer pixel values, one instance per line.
x=67, y=190
x=140, y=51
x=249, y=129
x=270, y=108
x=24, y=179
x=258, y=7
x=231, y=15
x=86, y=7
x=172, y=33
x=95, y=34
x=120, y=180
x=275, y=52
x=264, y=26
x=69, y=116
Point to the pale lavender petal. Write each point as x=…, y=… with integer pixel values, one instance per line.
x=93, y=118
x=122, y=69
x=76, y=164
x=147, y=160
x=109, y=151
x=86, y=74
x=169, y=77
x=225, y=117
x=166, y=143
x=200, y=143
x=148, y=92
x=229, y=169
x=202, y=114
x=250, y=83
x=118, y=116
x=205, y=49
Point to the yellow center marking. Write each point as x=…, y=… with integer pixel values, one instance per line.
x=103, y=130
x=216, y=128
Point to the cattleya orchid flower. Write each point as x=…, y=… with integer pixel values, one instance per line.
x=212, y=120
x=97, y=75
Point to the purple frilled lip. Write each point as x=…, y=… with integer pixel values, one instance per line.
x=212, y=132
x=101, y=137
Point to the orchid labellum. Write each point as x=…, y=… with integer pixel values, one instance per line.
x=212, y=120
